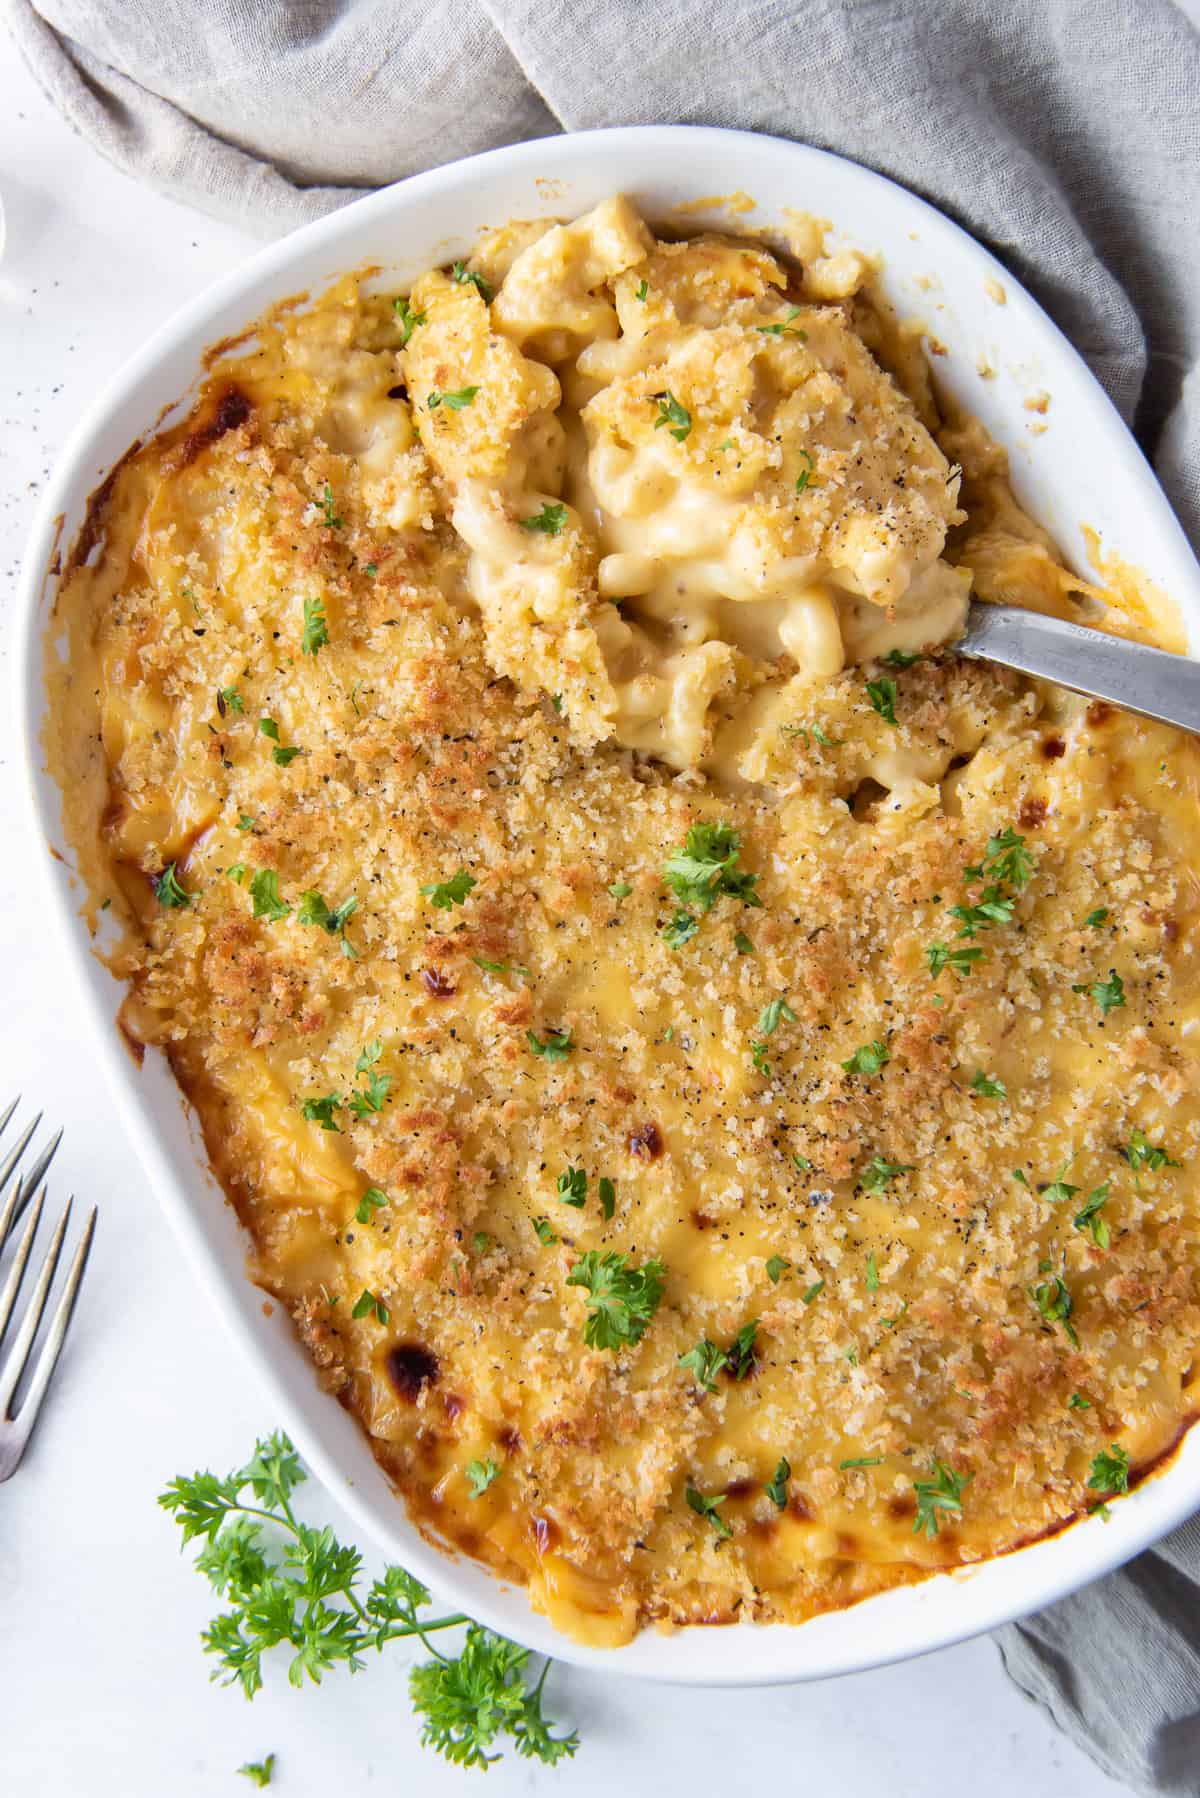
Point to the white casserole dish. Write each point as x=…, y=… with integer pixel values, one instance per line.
x=1072, y=466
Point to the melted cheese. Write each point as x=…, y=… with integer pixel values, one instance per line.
x=474, y=708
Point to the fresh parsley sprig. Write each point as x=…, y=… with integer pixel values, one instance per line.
x=287, y=1584
x=621, y=1299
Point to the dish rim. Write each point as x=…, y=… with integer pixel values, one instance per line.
x=1041, y=1572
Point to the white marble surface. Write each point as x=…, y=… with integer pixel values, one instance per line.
x=103, y=1688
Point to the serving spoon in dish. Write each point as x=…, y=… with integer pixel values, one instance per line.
x=1150, y=681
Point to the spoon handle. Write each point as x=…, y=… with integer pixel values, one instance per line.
x=1141, y=680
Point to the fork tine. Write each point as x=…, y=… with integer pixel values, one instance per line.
x=8, y=1113
x=30, y=1182
x=57, y=1335
x=14, y=1364
x=16, y=1273
x=17, y=1150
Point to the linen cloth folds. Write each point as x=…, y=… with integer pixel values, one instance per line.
x=1065, y=134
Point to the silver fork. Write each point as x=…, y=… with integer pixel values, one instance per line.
x=16, y=1426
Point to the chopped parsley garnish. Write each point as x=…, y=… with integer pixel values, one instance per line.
x=706, y=1361
x=642, y=291
x=480, y=1475
x=740, y=1353
x=320, y=1111
x=1006, y=859
x=556, y=1045
x=501, y=967
x=312, y=909
x=331, y=517
x=1109, y=994
x=940, y=955
x=606, y=1192
x=1110, y=1471
x=769, y=1020
x=1055, y=1304
x=785, y=328
x=673, y=415
x=805, y=478
x=316, y=631
x=407, y=319
x=813, y=1292
x=803, y=1163
x=1077, y=1402
x=1140, y=1152
x=777, y=1266
x=680, y=930
x=481, y=1242
x=168, y=891
x=900, y=658
x=879, y=1173
x=707, y=1507
x=549, y=521
x=373, y=1200
x=872, y=1276
x=882, y=694
x=245, y=822
x=620, y=889
x=268, y=902
x=572, y=1187
x=469, y=277
x=269, y=728
x=235, y=871
x=993, y=908
x=776, y=1486
x=621, y=1299
x=444, y=894
x=1096, y=920
x=455, y=401
x=544, y=1231
x=860, y=1461
x=372, y=1096
x=871, y=1058
x=285, y=757
x=259, y=1772
x=742, y=943
x=988, y=1086
x=703, y=871
x=366, y=1303
x=1089, y=1220
x=229, y=698
x=941, y=1493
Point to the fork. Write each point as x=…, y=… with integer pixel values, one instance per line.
x=16, y=1425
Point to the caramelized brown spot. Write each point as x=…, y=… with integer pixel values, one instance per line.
x=847, y=1543
x=509, y=1439
x=799, y=1507
x=904, y=1505
x=409, y=1368
x=398, y=392
x=453, y=1405
x=646, y=1142
x=230, y=414
x=1170, y=929
x=741, y=1488
x=1099, y=712
x=437, y=984
x=1052, y=748
x=700, y=1218
x=1032, y=813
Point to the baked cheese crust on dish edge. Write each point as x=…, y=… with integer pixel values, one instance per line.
x=711, y=1075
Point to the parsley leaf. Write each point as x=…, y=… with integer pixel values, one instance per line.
x=469, y=277
x=331, y=518
x=367, y=1303
x=641, y=291
x=306, y=1593
x=785, y=327
x=549, y=521
x=556, y=1046
x=1056, y=1191
x=285, y=757
x=860, y=1461
x=1110, y=1471
x=882, y=694
x=372, y=1096
x=447, y=893
x=620, y=889
x=706, y=868
x=407, y=319
x=606, y=1192
x=236, y=871
x=941, y=1493
x=879, y=1173
x=316, y=631
x=992, y=908
x=229, y=697
x=707, y=1507
x=1096, y=920
x=776, y=1486
x=1077, y=1402
x=741, y=1354
x=259, y=1771
x=940, y=956
x=805, y=478
x=742, y=943
x=871, y=1058
x=777, y=1266
x=872, y=1277
x=168, y=891
x=480, y=1475
x=706, y=1361
x=320, y=1111
x=1109, y=994
x=621, y=1299
x=671, y=413
x=572, y=1187
x=813, y=1292
x=543, y=1230
x=988, y=1086
x=268, y=902
x=680, y=930
x=1006, y=859
x=1088, y=1219
x=901, y=658
x=373, y=1200
x=268, y=728
x=1140, y=1152
x=768, y=1023
x=455, y=401
x=1055, y=1304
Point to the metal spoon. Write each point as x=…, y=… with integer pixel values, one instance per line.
x=1141, y=680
